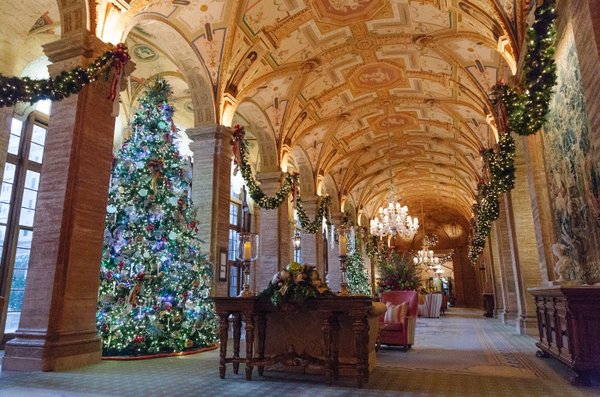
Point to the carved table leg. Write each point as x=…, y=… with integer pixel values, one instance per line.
x=262, y=330
x=223, y=333
x=249, y=319
x=328, y=351
x=237, y=333
x=360, y=326
x=335, y=342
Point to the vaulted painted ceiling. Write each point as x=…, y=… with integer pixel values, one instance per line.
x=359, y=93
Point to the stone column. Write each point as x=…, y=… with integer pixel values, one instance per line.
x=211, y=185
x=510, y=269
x=530, y=269
x=274, y=229
x=333, y=256
x=309, y=246
x=58, y=321
x=541, y=209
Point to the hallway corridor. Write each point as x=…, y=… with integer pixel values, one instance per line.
x=460, y=354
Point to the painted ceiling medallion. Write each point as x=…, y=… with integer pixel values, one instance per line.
x=377, y=75
x=395, y=121
x=346, y=11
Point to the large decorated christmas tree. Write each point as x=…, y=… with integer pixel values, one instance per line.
x=154, y=281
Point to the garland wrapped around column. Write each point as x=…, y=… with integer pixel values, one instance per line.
x=528, y=107
x=501, y=164
x=312, y=227
x=486, y=211
x=240, y=154
x=15, y=89
x=522, y=111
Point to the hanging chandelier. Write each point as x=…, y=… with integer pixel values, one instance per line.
x=394, y=218
x=425, y=255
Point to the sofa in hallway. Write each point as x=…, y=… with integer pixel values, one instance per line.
x=399, y=332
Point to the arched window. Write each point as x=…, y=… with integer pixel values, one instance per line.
x=18, y=196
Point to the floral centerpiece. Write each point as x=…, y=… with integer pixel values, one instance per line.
x=397, y=272
x=295, y=284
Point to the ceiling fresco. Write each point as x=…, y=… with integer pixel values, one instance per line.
x=363, y=93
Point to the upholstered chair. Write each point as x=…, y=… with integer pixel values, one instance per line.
x=398, y=331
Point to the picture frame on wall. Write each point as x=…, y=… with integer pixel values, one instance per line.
x=223, y=265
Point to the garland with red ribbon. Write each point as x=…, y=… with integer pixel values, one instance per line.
x=15, y=89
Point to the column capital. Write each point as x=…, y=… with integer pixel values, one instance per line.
x=336, y=218
x=209, y=132
x=269, y=176
x=83, y=44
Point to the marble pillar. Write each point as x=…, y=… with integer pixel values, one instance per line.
x=57, y=330
x=211, y=191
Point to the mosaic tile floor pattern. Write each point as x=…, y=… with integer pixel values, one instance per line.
x=461, y=354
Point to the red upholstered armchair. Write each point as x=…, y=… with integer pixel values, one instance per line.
x=401, y=333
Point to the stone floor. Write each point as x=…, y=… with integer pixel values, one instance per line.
x=461, y=354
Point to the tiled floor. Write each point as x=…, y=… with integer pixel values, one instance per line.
x=461, y=354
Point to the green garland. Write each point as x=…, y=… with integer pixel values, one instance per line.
x=527, y=109
x=15, y=89
x=487, y=210
x=240, y=149
x=312, y=227
x=526, y=112
x=501, y=164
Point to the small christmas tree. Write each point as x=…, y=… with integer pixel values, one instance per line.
x=154, y=281
x=358, y=278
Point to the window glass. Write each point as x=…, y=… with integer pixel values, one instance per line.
x=6, y=192
x=22, y=258
x=32, y=180
x=38, y=135
x=9, y=173
x=4, y=212
x=26, y=217
x=29, y=199
x=36, y=152
x=24, y=239
x=15, y=136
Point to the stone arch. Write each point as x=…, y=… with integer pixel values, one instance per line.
x=258, y=126
x=329, y=187
x=76, y=16
x=303, y=166
x=187, y=59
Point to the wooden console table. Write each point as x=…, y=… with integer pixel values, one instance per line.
x=569, y=325
x=329, y=310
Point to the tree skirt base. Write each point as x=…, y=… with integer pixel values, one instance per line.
x=159, y=355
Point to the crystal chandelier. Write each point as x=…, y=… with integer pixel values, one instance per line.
x=394, y=218
x=426, y=257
